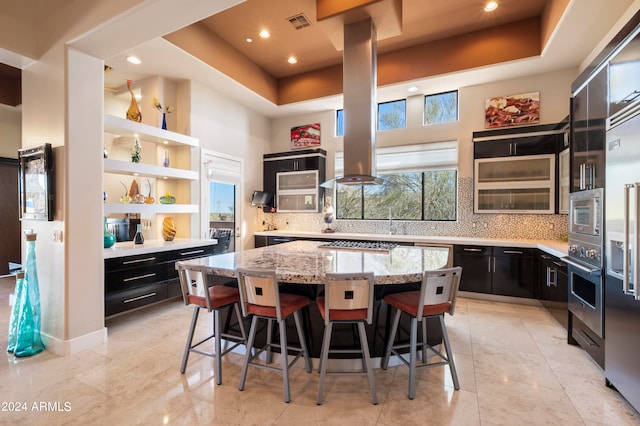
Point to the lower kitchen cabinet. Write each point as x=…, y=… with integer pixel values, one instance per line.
x=504, y=271
x=553, y=284
x=134, y=281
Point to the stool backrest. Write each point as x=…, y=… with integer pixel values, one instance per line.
x=259, y=287
x=194, y=284
x=349, y=291
x=438, y=287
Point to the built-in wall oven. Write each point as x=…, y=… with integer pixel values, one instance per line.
x=584, y=268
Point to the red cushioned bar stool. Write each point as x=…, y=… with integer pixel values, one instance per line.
x=261, y=298
x=348, y=298
x=197, y=291
x=437, y=296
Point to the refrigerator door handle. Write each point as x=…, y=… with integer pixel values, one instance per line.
x=636, y=240
x=625, y=243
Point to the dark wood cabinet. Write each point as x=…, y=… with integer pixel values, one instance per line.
x=476, y=267
x=504, y=271
x=553, y=286
x=589, y=109
x=134, y=281
x=293, y=161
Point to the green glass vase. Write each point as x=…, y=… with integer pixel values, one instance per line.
x=28, y=340
x=15, y=312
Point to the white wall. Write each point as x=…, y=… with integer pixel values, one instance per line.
x=224, y=126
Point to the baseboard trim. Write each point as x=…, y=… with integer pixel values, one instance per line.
x=75, y=345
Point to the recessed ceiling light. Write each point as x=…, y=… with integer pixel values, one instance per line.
x=292, y=60
x=133, y=60
x=491, y=6
x=249, y=40
x=413, y=89
x=265, y=34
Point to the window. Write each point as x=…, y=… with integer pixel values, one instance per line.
x=441, y=108
x=419, y=182
x=340, y=122
x=392, y=115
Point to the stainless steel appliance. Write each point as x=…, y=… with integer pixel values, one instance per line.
x=585, y=260
x=622, y=288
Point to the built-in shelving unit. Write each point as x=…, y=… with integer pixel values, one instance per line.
x=179, y=178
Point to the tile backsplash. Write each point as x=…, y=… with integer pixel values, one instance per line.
x=516, y=226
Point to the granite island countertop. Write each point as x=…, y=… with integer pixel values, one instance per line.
x=305, y=262
x=554, y=247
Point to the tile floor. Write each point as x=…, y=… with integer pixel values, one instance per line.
x=514, y=367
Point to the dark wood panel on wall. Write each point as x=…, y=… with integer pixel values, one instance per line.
x=10, y=247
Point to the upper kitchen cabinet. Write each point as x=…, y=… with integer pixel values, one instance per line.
x=295, y=177
x=589, y=108
x=164, y=176
x=515, y=169
x=624, y=75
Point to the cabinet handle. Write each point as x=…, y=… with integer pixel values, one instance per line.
x=629, y=98
x=285, y=240
x=144, y=296
x=146, y=259
x=545, y=257
x=472, y=249
x=548, y=275
x=552, y=277
x=489, y=265
x=494, y=265
x=582, y=169
x=513, y=252
x=560, y=264
x=139, y=277
x=187, y=253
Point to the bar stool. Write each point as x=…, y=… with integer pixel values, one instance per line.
x=348, y=298
x=260, y=297
x=437, y=296
x=197, y=291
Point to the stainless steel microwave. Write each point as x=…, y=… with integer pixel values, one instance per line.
x=585, y=213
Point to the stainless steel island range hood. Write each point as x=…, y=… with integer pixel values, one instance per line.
x=359, y=86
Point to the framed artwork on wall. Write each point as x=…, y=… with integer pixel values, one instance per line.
x=307, y=136
x=35, y=183
x=512, y=110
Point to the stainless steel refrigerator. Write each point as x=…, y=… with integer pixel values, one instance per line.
x=622, y=231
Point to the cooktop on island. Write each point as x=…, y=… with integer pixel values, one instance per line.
x=359, y=245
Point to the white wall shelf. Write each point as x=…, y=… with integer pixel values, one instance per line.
x=147, y=170
x=124, y=127
x=121, y=208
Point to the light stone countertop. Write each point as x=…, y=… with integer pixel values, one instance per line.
x=553, y=247
x=304, y=262
x=128, y=248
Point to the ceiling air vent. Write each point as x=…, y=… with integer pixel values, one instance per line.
x=299, y=21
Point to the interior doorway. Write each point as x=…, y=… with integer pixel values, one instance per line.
x=220, y=204
x=10, y=249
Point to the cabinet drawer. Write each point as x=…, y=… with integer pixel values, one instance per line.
x=190, y=253
x=134, y=261
x=513, y=251
x=472, y=250
x=134, y=298
x=129, y=278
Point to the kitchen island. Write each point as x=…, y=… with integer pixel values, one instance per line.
x=301, y=267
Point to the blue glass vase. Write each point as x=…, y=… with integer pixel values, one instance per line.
x=29, y=341
x=15, y=312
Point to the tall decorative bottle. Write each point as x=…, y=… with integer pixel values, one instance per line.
x=15, y=312
x=29, y=341
x=133, y=113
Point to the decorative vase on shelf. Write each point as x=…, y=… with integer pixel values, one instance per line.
x=133, y=113
x=164, y=121
x=135, y=152
x=138, y=238
x=109, y=238
x=168, y=228
x=15, y=312
x=29, y=341
x=165, y=161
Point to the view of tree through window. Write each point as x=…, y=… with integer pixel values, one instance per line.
x=429, y=195
x=441, y=108
x=392, y=115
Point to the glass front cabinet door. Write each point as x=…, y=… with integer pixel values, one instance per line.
x=297, y=191
x=523, y=184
